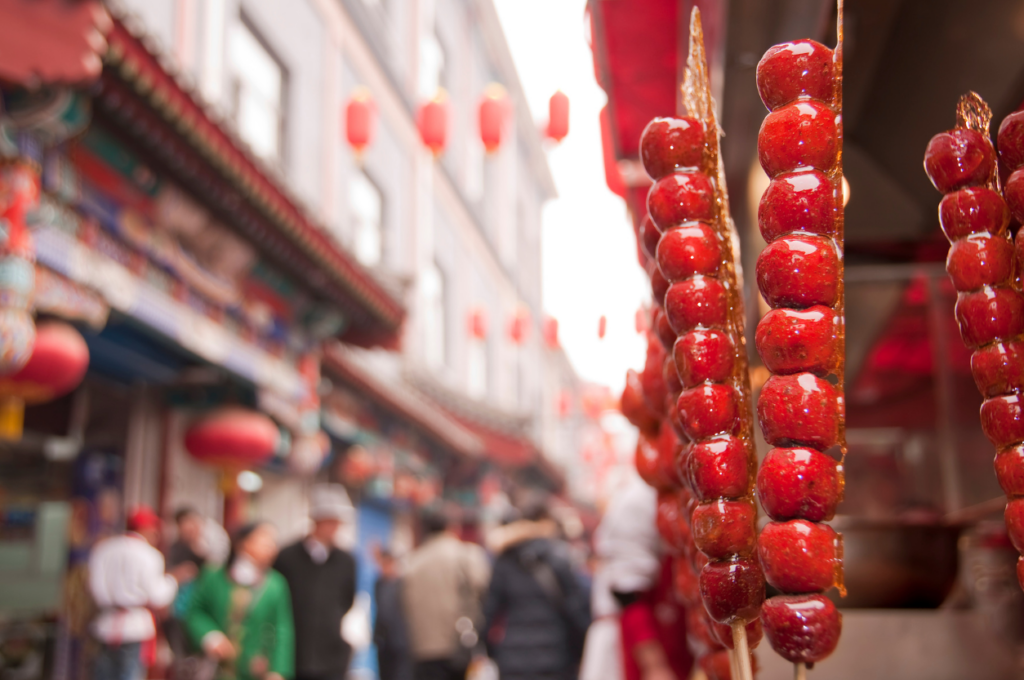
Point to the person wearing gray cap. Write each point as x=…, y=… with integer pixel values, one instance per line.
x=322, y=581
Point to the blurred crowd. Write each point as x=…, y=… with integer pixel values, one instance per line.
x=525, y=605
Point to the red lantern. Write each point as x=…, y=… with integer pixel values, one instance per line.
x=432, y=121
x=602, y=326
x=493, y=107
x=57, y=365
x=550, y=330
x=477, y=324
x=233, y=438
x=519, y=328
x=612, y=174
x=360, y=119
x=558, y=116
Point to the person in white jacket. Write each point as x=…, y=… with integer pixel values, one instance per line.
x=127, y=580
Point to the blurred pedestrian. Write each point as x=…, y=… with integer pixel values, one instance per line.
x=187, y=556
x=536, y=599
x=442, y=589
x=389, y=631
x=241, y=614
x=322, y=581
x=127, y=580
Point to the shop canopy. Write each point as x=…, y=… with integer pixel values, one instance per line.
x=55, y=42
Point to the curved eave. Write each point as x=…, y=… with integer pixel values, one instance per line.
x=325, y=267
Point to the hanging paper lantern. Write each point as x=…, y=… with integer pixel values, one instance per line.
x=519, y=327
x=233, y=438
x=360, y=119
x=550, y=331
x=493, y=107
x=58, y=361
x=477, y=324
x=612, y=174
x=558, y=116
x=602, y=326
x=432, y=121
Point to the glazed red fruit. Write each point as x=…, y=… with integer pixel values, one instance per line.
x=670, y=448
x=688, y=250
x=670, y=144
x=1009, y=465
x=1002, y=420
x=659, y=285
x=802, y=628
x=687, y=585
x=795, y=341
x=723, y=634
x=648, y=464
x=802, y=68
x=799, y=410
x=698, y=302
x=989, y=314
x=652, y=378
x=672, y=382
x=681, y=197
x=798, y=483
x=959, y=158
x=719, y=468
x=973, y=211
x=665, y=334
x=798, y=556
x=649, y=237
x=1018, y=247
x=634, y=406
x=704, y=356
x=999, y=368
x=722, y=529
x=1013, y=192
x=671, y=525
x=1020, y=572
x=980, y=260
x=799, y=201
x=1014, y=516
x=799, y=272
x=800, y=135
x=1011, y=141
x=707, y=410
x=732, y=591
x=716, y=665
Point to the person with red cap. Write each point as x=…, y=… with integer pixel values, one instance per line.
x=127, y=580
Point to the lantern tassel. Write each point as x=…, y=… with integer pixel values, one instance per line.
x=12, y=418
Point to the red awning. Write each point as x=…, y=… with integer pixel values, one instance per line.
x=51, y=41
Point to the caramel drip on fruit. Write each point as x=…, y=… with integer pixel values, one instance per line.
x=974, y=113
x=700, y=104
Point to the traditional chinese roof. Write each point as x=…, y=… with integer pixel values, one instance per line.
x=141, y=95
x=340, y=363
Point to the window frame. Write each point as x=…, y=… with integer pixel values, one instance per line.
x=281, y=161
x=382, y=261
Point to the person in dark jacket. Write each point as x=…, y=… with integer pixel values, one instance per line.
x=536, y=598
x=322, y=582
x=390, y=634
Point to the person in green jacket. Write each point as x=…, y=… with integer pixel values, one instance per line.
x=241, y=614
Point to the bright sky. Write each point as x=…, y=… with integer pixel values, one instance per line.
x=589, y=265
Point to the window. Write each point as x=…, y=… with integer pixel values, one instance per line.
x=367, y=207
x=434, y=316
x=431, y=66
x=258, y=83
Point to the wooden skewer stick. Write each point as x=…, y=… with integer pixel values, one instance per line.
x=742, y=652
x=800, y=671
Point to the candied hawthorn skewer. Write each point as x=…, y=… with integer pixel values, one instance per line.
x=961, y=163
x=801, y=341
x=696, y=256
